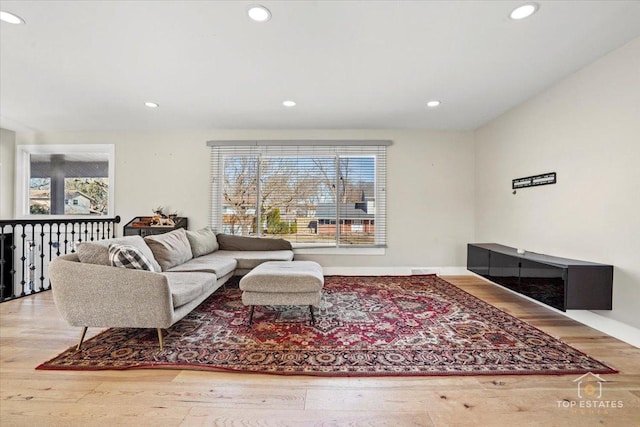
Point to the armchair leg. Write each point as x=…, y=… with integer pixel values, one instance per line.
x=160, y=339
x=82, y=334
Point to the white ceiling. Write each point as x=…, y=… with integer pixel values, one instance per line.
x=90, y=66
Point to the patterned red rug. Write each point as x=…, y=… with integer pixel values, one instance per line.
x=365, y=326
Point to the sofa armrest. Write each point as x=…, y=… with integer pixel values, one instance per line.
x=105, y=296
x=229, y=242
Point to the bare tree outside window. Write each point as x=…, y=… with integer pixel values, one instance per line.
x=299, y=198
x=240, y=194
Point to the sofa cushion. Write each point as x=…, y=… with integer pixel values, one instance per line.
x=129, y=257
x=202, y=241
x=211, y=263
x=170, y=249
x=229, y=242
x=97, y=252
x=284, y=277
x=251, y=259
x=185, y=287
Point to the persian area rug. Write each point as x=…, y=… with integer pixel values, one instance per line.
x=365, y=326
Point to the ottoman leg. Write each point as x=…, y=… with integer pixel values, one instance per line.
x=251, y=314
x=313, y=319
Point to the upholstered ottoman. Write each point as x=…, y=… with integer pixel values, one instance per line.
x=283, y=283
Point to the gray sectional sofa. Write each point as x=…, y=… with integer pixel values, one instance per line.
x=155, y=281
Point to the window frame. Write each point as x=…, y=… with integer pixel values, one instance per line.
x=342, y=148
x=23, y=176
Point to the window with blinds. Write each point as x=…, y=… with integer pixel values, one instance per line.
x=312, y=193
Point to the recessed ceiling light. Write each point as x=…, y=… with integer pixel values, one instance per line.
x=524, y=11
x=10, y=18
x=433, y=104
x=289, y=103
x=259, y=13
x=152, y=104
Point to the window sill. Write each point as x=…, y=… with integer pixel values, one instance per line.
x=339, y=251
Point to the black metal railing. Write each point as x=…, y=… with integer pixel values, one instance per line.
x=27, y=247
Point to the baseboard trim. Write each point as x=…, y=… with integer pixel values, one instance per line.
x=394, y=271
x=612, y=327
x=615, y=328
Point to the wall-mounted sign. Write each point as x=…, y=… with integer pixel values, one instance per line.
x=532, y=181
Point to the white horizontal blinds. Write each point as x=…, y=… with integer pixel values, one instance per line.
x=380, y=207
x=295, y=184
x=234, y=189
x=240, y=194
x=357, y=197
x=310, y=194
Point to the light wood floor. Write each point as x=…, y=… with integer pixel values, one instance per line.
x=31, y=331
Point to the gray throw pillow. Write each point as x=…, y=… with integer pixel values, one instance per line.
x=170, y=249
x=129, y=257
x=202, y=241
x=97, y=252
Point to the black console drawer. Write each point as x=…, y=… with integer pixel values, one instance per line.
x=562, y=283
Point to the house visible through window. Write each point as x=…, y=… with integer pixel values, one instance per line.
x=65, y=180
x=313, y=194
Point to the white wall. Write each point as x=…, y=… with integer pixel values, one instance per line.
x=449, y=188
x=587, y=129
x=430, y=185
x=7, y=162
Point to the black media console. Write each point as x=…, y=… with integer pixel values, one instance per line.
x=565, y=284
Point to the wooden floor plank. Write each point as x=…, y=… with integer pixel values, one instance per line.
x=32, y=331
x=65, y=414
x=210, y=394
x=205, y=417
